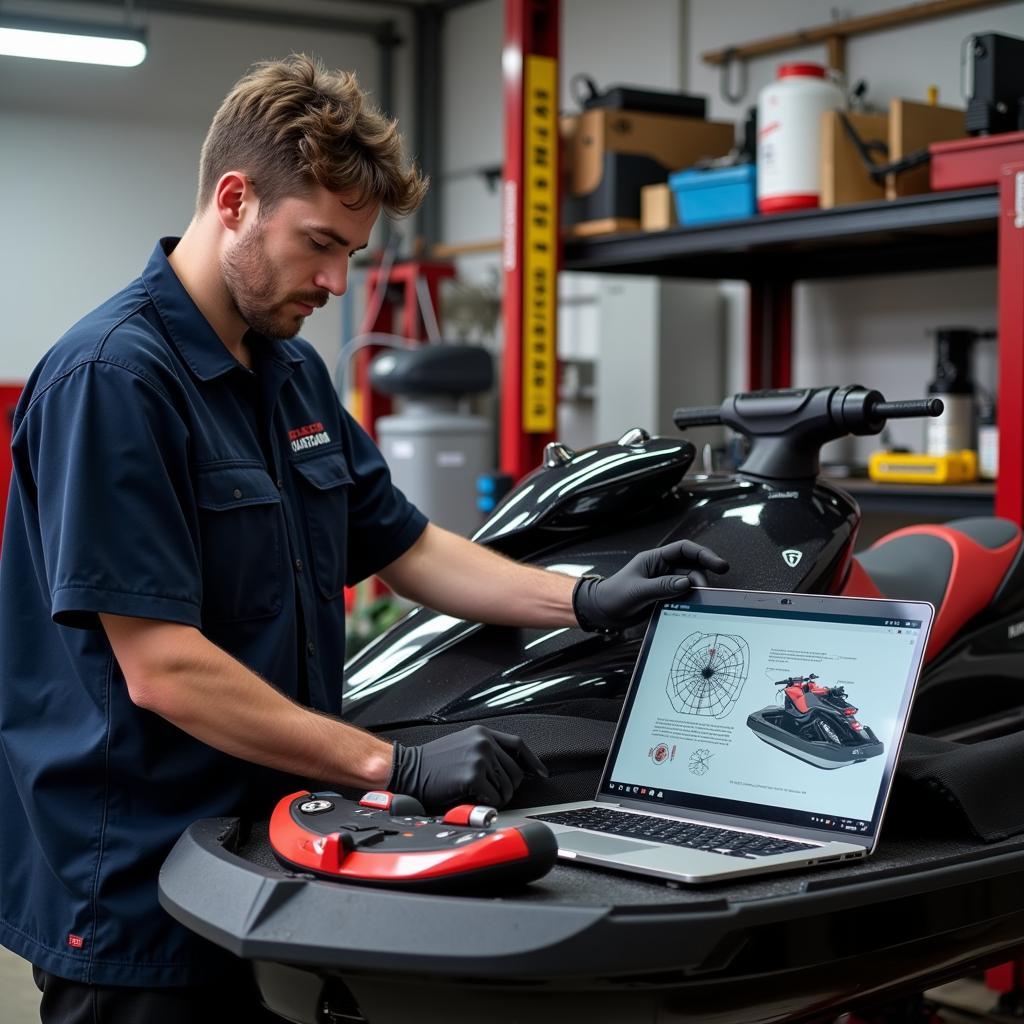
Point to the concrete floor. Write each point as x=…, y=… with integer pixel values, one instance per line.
x=19, y=997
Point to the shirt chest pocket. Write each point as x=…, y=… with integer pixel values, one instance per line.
x=325, y=484
x=240, y=535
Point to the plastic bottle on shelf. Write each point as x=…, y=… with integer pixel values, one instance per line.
x=988, y=443
x=789, y=136
x=954, y=430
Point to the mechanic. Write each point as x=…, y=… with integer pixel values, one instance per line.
x=188, y=502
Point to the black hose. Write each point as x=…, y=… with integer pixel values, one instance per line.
x=876, y=170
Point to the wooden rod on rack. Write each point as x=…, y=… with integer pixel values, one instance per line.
x=836, y=52
x=839, y=30
x=447, y=251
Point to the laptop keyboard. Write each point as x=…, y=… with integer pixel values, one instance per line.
x=675, y=833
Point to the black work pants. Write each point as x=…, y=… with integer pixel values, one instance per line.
x=72, y=1002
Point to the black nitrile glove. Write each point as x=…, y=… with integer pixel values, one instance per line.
x=475, y=765
x=624, y=599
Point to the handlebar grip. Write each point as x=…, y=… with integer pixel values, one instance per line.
x=908, y=408
x=708, y=416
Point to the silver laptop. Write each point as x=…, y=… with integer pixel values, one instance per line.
x=760, y=733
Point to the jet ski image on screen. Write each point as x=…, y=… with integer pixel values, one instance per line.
x=816, y=724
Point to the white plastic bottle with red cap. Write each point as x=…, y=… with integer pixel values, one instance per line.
x=789, y=136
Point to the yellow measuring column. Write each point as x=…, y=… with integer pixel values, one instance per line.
x=540, y=258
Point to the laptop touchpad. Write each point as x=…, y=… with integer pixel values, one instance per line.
x=584, y=842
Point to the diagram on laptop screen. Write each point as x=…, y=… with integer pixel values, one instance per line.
x=708, y=673
x=789, y=712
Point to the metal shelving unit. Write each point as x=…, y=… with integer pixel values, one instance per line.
x=928, y=232
x=953, y=501
x=939, y=230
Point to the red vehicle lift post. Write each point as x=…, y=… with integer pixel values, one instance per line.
x=1010, y=485
x=770, y=335
x=9, y=395
x=531, y=249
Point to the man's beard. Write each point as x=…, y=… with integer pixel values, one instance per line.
x=251, y=282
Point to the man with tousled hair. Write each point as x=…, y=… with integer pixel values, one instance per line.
x=188, y=502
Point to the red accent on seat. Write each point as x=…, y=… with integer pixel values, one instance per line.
x=1002, y=978
x=859, y=583
x=974, y=578
x=796, y=695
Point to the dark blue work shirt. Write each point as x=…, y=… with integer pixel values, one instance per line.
x=155, y=476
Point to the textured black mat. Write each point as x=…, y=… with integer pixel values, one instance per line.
x=581, y=885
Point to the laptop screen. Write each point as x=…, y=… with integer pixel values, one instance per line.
x=783, y=708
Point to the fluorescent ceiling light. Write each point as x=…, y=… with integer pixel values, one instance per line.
x=78, y=42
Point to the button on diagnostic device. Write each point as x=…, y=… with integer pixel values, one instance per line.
x=316, y=806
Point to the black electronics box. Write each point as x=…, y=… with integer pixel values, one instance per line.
x=647, y=101
x=996, y=88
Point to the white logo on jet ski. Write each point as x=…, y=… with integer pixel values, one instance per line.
x=792, y=557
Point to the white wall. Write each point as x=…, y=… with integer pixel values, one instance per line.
x=875, y=331
x=870, y=330
x=867, y=330
x=97, y=163
x=900, y=62
x=602, y=38
x=613, y=42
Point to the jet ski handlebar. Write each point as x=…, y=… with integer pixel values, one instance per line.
x=787, y=427
x=908, y=408
x=706, y=416
x=790, y=680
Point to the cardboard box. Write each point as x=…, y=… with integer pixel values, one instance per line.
x=908, y=126
x=609, y=156
x=657, y=208
x=915, y=126
x=844, y=178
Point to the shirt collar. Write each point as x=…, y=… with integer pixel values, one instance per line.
x=189, y=330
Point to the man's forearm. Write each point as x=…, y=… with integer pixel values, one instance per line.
x=453, y=575
x=175, y=672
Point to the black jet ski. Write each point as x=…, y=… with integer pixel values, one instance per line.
x=588, y=945
x=781, y=527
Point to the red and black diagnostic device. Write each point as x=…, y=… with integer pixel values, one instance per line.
x=387, y=839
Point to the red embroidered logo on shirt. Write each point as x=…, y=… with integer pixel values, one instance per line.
x=76, y=941
x=312, y=435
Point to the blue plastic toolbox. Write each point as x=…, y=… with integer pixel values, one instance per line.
x=723, y=193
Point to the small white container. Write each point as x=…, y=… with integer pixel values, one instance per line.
x=988, y=451
x=789, y=136
x=953, y=430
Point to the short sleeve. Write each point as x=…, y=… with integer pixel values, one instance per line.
x=108, y=456
x=383, y=523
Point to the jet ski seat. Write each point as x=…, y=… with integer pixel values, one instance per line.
x=965, y=568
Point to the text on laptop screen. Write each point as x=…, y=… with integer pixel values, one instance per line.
x=789, y=717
